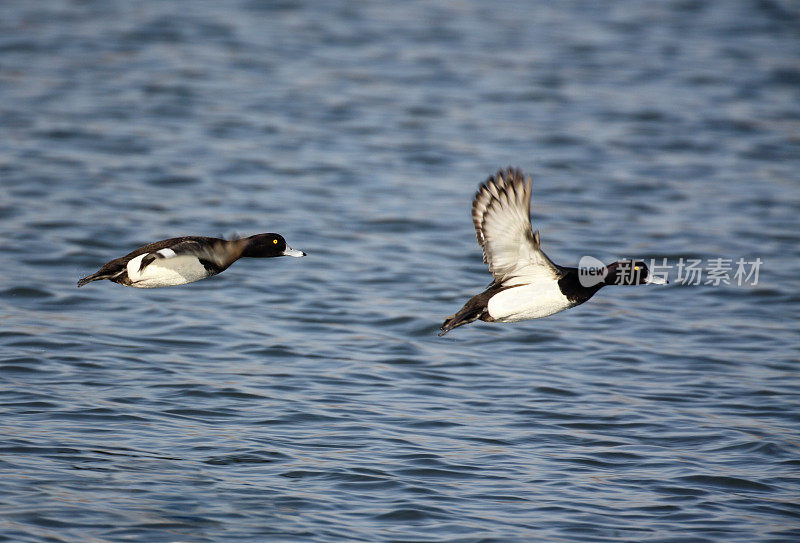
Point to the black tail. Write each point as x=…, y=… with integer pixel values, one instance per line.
x=94, y=277
x=473, y=310
x=460, y=319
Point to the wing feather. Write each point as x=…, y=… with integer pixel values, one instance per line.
x=218, y=254
x=501, y=216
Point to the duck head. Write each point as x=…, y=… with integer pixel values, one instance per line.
x=269, y=245
x=631, y=272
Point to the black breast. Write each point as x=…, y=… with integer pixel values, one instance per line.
x=571, y=287
x=211, y=267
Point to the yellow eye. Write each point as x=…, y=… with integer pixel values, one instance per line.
x=636, y=267
x=275, y=241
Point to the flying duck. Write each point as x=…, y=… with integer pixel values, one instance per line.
x=527, y=284
x=177, y=261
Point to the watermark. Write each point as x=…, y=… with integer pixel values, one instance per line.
x=685, y=271
x=591, y=271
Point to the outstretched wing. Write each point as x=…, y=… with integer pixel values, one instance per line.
x=501, y=215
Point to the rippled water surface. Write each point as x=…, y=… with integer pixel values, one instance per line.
x=311, y=400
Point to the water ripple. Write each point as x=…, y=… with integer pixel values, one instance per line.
x=310, y=400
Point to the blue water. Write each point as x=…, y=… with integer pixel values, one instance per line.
x=310, y=399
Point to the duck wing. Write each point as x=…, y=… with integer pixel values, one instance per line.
x=501, y=215
x=215, y=254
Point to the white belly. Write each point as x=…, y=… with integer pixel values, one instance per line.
x=527, y=302
x=166, y=272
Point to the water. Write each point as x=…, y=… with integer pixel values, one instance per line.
x=310, y=399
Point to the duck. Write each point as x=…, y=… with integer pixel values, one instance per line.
x=186, y=259
x=526, y=283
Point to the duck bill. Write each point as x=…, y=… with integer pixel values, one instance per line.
x=655, y=280
x=293, y=252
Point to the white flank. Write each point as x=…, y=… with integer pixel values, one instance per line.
x=166, y=272
x=528, y=302
x=167, y=253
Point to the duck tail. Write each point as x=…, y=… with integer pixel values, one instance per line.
x=94, y=277
x=467, y=314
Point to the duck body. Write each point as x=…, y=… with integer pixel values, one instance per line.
x=527, y=302
x=527, y=284
x=186, y=259
x=516, y=303
x=168, y=268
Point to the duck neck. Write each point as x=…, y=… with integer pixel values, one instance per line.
x=251, y=250
x=572, y=287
